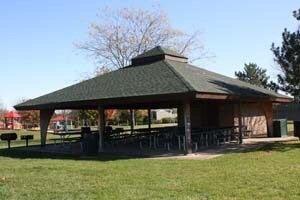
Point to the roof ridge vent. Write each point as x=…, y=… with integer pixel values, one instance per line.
x=156, y=54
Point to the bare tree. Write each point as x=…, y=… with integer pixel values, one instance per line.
x=124, y=33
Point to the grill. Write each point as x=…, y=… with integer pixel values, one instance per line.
x=8, y=137
x=26, y=138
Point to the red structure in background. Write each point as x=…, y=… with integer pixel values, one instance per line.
x=10, y=119
x=61, y=122
x=58, y=118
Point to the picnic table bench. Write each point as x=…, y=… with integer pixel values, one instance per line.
x=66, y=137
x=70, y=139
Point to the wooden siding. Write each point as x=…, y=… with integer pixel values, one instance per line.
x=256, y=116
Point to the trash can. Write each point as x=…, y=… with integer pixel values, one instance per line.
x=297, y=129
x=89, y=144
x=280, y=127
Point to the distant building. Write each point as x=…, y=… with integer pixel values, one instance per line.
x=61, y=122
x=163, y=113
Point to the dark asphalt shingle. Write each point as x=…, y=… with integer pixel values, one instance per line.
x=206, y=81
x=159, y=51
x=157, y=78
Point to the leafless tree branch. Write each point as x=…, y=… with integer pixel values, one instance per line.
x=121, y=34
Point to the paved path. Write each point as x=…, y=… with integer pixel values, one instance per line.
x=270, y=140
x=250, y=143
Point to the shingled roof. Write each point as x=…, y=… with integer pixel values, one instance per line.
x=159, y=51
x=157, y=72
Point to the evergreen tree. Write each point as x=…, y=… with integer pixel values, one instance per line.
x=255, y=75
x=288, y=58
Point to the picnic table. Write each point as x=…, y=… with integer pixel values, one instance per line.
x=153, y=137
x=214, y=136
x=66, y=136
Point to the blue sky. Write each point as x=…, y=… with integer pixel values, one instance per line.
x=37, y=53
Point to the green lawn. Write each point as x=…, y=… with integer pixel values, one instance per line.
x=272, y=172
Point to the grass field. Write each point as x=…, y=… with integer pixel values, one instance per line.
x=272, y=172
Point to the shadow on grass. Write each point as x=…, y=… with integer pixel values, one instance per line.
x=266, y=147
x=24, y=153
x=35, y=152
x=280, y=146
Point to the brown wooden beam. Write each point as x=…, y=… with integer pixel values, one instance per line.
x=213, y=96
x=132, y=120
x=149, y=118
x=136, y=102
x=282, y=100
x=187, y=126
x=240, y=123
x=101, y=128
x=268, y=113
x=45, y=117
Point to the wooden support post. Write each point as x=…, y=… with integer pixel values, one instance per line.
x=297, y=129
x=240, y=123
x=180, y=116
x=101, y=128
x=149, y=118
x=187, y=127
x=45, y=117
x=268, y=112
x=132, y=121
